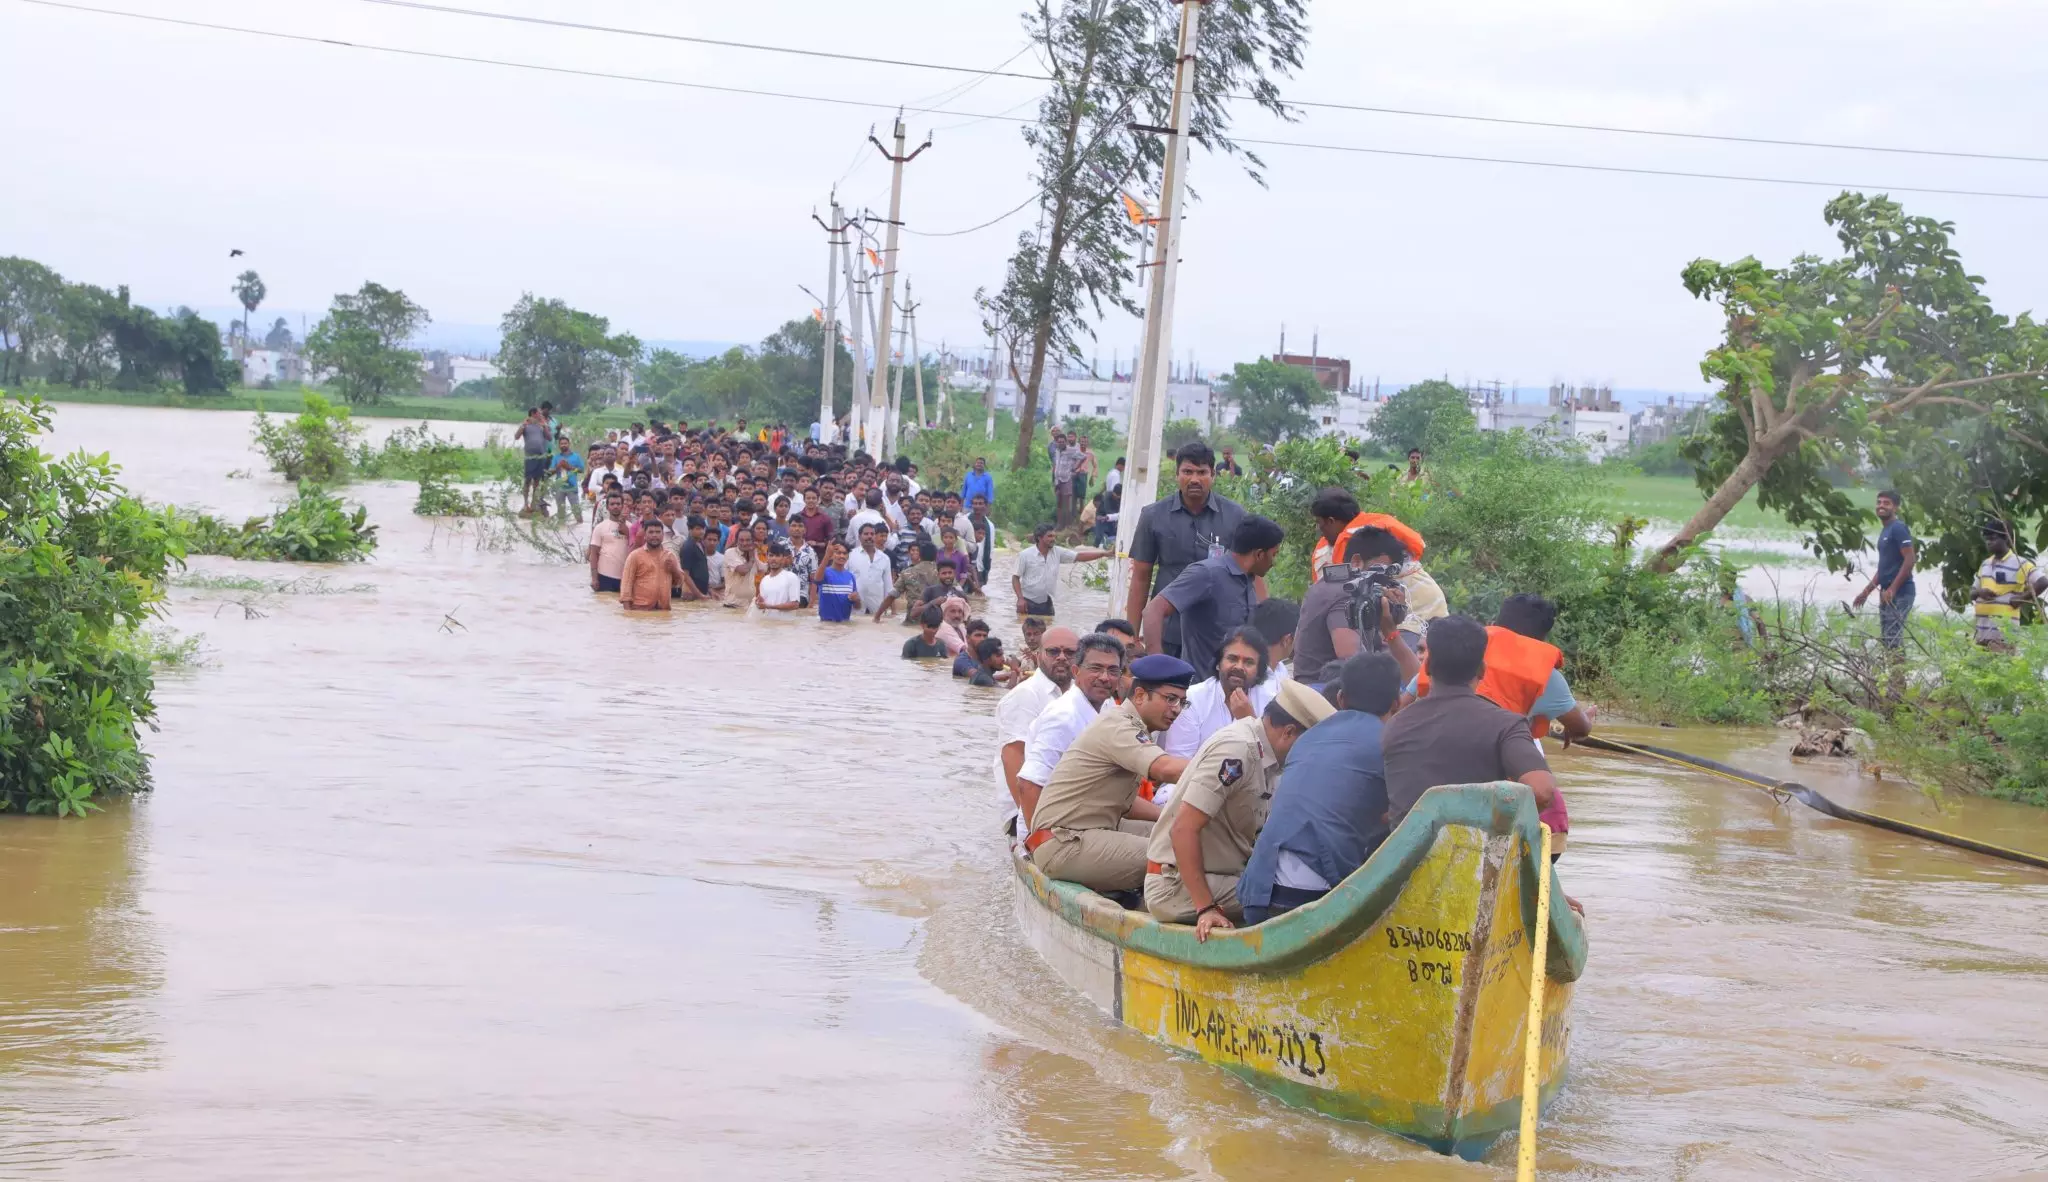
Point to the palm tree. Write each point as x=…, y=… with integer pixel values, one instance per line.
x=250, y=291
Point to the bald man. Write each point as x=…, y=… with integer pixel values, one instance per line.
x=1022, y=706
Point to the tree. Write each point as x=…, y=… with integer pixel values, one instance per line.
x=793, y=362
x=554, y=353
x=1112, y=66
x=29, y=294
x=1891, y=350
x=82, y=347
x=249, y=291
x=362, y=341
x=279, y=338
x=1274, y=400
x=84, y=564
x=1431, y=415
x=191, y=344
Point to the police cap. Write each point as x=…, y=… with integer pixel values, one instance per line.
x=1303, y=704
x=1160, y=669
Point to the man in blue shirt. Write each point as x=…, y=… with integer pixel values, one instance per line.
x=980, y=482
x=1217, y=594
x=1896, y=554
x=1330, y=811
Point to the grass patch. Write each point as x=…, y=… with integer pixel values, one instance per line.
x=1674, y=499
x=1747, y=556
x=166, y=648
x=292, y=401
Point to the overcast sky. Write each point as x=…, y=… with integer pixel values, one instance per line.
x=140, y=153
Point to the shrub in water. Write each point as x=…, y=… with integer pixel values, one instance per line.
x=81, y=563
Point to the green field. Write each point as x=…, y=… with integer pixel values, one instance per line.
x=1674, y=499
x=461, y=410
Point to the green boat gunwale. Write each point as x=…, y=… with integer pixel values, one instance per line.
x=1320, y=929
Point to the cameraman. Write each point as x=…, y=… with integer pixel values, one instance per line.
x=1326, y=636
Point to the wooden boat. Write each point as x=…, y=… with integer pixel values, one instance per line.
x=1399, y=999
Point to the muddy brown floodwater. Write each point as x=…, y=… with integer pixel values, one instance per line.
x=544, y=892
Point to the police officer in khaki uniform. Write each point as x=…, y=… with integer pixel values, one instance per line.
x=1094, y=788
x=1203, y=839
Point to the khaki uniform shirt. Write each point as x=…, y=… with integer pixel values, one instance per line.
x=1096, y=780
x=1231, y=778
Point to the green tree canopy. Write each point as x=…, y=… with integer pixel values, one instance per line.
x=554, y=353
x=1431, y=415
x=249, y=292
x=1274, y=400
x=29, y=295
x=362, y=340
x=1892, y=352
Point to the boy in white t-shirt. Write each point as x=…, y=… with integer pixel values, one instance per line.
x=779, y=590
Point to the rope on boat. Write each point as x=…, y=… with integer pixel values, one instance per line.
x=1532, y=1042
x=1793, y=790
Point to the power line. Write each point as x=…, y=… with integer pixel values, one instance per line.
x=648, y=80
x=1556, y=125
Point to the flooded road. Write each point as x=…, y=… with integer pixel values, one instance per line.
x=454, y=872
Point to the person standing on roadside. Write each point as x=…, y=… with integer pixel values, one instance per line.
x=1175, y=533
x=1065, y=462
x=1896, y=554
x=2003, y=583
x=534, y=438
x=979, y=482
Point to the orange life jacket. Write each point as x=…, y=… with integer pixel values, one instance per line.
x=1517, y=669
x=1326, y=553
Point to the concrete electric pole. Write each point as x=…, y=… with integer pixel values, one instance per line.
x=830, y=316
x=878, y=402
x=1148, y=406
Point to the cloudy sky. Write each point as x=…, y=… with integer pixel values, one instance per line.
x=139, y=153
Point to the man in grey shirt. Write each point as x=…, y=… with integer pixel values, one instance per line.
x=1174, y=533
x=1217, y=594
x=1038, y=571
x=533, y=439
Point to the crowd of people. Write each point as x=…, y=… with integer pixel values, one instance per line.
x=1213, y=755
x=1218, y=756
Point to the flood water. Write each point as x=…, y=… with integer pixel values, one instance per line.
x=454, y=872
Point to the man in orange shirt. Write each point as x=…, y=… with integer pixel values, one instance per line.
x=652, y=572
x=1337, y=517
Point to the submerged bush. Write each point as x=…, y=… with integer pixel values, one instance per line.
x=311, y=445
x=315, y=526
x=82, y=564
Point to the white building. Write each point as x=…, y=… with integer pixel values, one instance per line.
x=1100, y=398
x=470, y=369
x=272, y=366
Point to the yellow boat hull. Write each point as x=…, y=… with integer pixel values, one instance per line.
x=1399, y=999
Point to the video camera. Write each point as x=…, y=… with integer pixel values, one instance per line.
x=1367, y=589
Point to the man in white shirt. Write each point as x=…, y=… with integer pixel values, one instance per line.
x=1038, y=571
x=1098, y=666
x=603, y=463
x=874, y=576
x=1022, y=706
x=870, y=515
x=1240, y=686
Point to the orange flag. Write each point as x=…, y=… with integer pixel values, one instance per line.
x=874, y=258
x=1133, y=210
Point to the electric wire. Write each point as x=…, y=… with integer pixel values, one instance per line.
x=1559, y=125
x=760, y=93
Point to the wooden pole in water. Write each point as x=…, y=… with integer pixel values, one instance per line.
x=1532, y=1047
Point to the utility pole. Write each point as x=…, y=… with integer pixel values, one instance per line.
x=879, y=401
x=1148, y=402
x=993, y=351
x=855, y=289
x=890, y=432
x=916, y=356
x=833, y=242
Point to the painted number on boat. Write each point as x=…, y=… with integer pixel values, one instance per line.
x=1432, y=972
x=1294, y=1046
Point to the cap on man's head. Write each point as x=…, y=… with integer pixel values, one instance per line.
x=1160, y=669
x=1303, y=704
